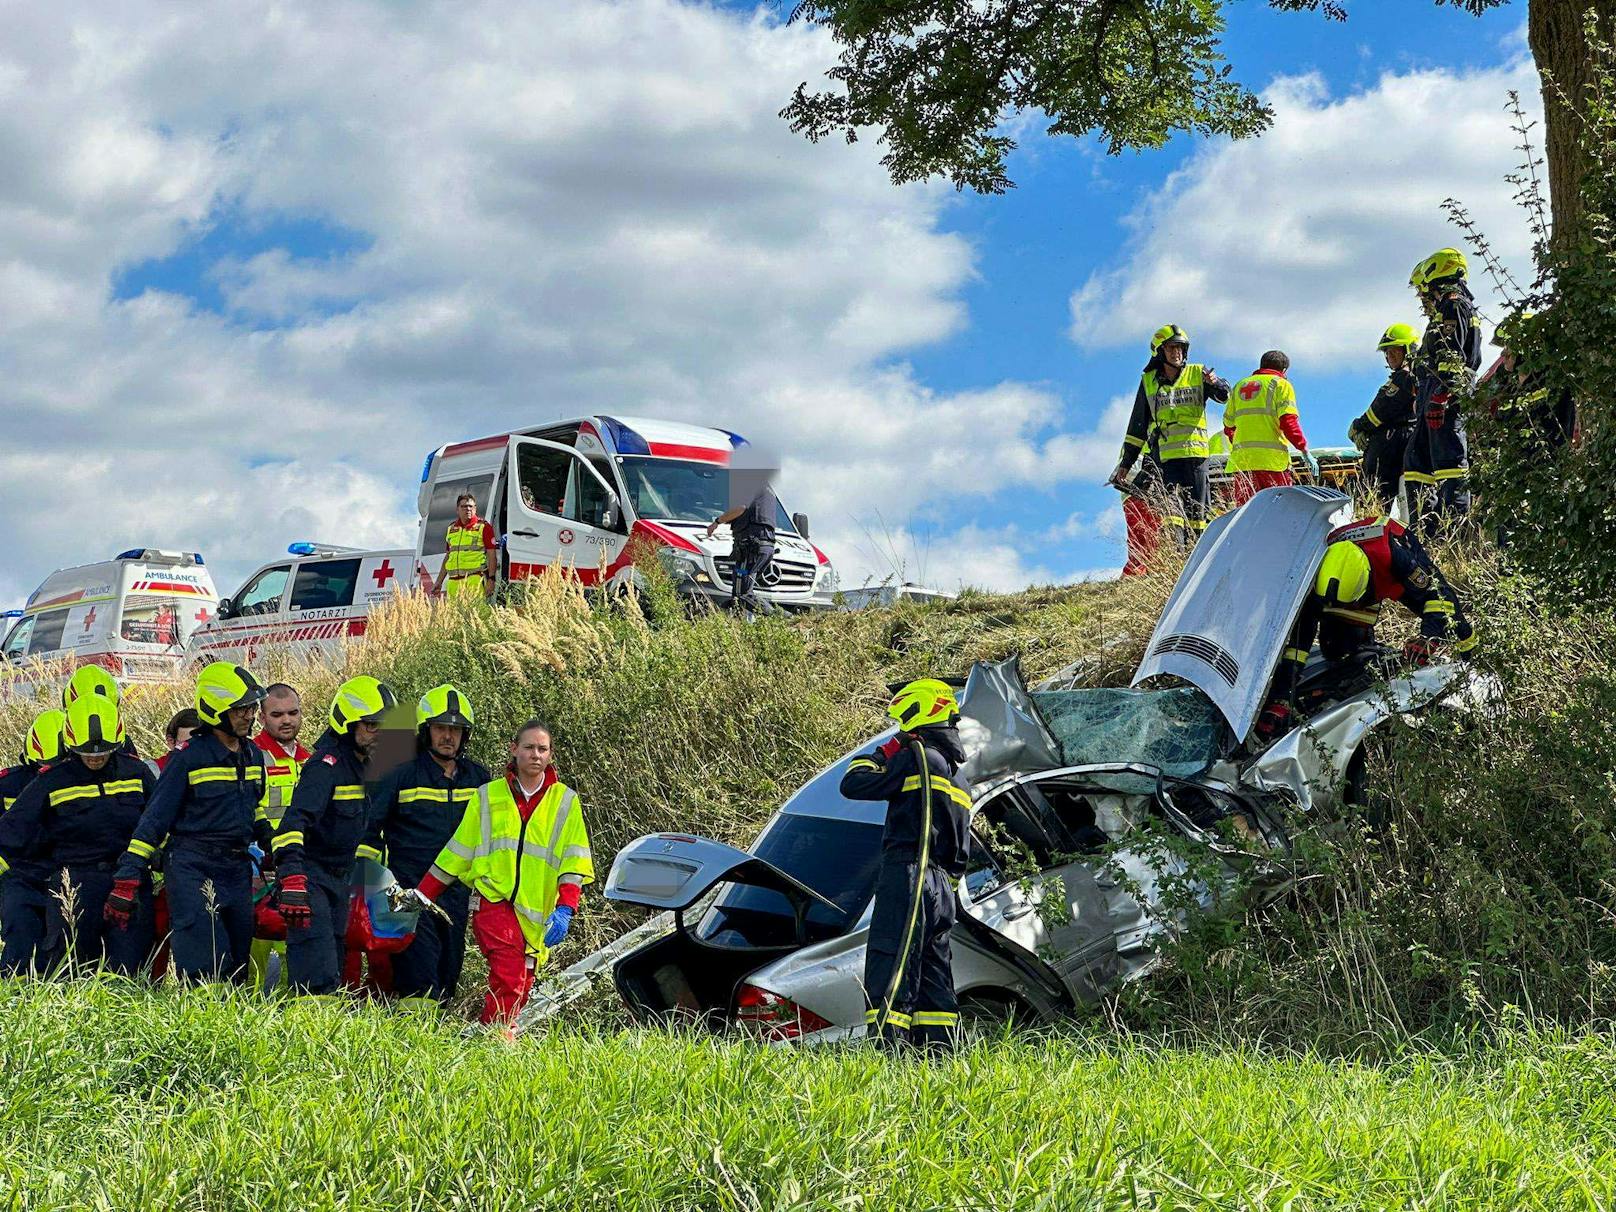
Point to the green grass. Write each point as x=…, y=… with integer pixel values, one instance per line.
x=113, y=1096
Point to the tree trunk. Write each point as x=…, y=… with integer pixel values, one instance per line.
x=1560, y=47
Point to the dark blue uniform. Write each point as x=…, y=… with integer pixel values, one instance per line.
x=72, y=823
x=205, y=805
x=1389, y=423
x=909, y=965
x=417, y=809
x=1436, y=468
x=317, y=839
x=17, y=900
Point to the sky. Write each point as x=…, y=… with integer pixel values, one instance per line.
x=258, y=259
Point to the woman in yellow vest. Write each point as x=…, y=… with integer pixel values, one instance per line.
x=523, y=848
x=1259, y=420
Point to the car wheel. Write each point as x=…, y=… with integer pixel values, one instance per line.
x=989, y=1014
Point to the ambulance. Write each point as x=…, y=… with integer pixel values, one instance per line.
x=131, y=614
x=309, y=603
x=590, y=494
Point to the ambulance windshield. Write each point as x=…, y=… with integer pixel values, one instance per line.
x=681, y=490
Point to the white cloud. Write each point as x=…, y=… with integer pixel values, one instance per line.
x=1303, y=239
x=575, y=206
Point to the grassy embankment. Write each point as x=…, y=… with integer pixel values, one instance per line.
x=113, y=1097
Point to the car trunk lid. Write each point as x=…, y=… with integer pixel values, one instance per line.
x=675, y=870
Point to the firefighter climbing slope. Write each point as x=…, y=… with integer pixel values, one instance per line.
x=909, y=967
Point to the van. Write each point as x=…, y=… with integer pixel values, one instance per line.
x=590, y=494
x=310, y=602
x=131, y=614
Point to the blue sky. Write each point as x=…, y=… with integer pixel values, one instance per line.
x=319, y=242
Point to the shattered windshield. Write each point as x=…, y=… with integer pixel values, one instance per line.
x=1177, y=731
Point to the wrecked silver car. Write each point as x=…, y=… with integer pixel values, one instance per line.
x=1101, y=819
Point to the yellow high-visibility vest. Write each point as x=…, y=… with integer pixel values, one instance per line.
x=1178, y=411
x=1254, y=408
x=504, y=858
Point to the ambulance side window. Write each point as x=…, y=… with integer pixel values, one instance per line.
x=48, y=628
x=322, y=584
x=442, y=510
x=587, y=501
x=262, y=594
x=542, y=475
x=17, y=641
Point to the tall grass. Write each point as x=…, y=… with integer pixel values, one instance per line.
x=112, y=1096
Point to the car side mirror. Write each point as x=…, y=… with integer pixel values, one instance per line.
x=800, y=521
x=226, y=610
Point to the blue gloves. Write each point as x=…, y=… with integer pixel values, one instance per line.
x=1312, y=463
x=555, y=930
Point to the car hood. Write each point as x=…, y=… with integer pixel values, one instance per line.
x=1225, y=625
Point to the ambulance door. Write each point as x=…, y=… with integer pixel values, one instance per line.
x=559, y=510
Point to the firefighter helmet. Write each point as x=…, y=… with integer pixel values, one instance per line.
x=1443, y=265
x=924, y=701
x=360, y=699
x=223, y=687
x=89, y=679
x=444, y=705
x=1400, y=336
x=44, y=743
x=1168, y=334
x=1344, y=575
x=92, y=726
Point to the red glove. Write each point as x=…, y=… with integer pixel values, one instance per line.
x=888, y=750
x=1436, y=411
x=294, y=901
x=1274, y=721
x=121, y=901
x=1419, y=651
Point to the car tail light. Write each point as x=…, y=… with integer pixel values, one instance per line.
x=772, y=1017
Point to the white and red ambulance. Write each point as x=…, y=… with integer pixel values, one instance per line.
x=591, y=492
x=131, y=614
x=309, y=602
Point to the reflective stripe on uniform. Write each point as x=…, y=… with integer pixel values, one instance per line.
x=120, y=786
x=63, y=794
x=142, y=849
x=1296, y=654
x=1419, y=477
x=294, y=838
x=1438, y=606
x=411, y=795
x=935, y=1018
x=1369, y=415
x=1466, y=644
x=222, y=774
x=863, y=763
x=1367, y=617
x=894, y=1019
x=1451, y=473
x=939, y=783
x=368, y=852
x=348, y=791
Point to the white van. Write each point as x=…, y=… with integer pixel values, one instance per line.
x=131, y=614
x=592, y=492
x=310, y=602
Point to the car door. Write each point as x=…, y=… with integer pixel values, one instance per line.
x=559, y=510
x=247, y=625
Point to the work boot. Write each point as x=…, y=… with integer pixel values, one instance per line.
x=935, y=1041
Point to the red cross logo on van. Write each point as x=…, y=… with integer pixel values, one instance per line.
x=89, y=620
x=564, y=536
x=203, y=615
x=383, y=573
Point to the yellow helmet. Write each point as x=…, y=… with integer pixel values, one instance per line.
x=223, y=687
x=92, y=726
x=44, y=743
x=89, y=679
x=360, y=699
x=444, y=705
x=1400, y=336
x=1168, y=334
x=1441, y=265
x=1344, y=575
x=924, y=701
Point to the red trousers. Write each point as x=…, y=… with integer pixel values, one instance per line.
x=499, y=935
x=1144, y=535
x=1248, y=484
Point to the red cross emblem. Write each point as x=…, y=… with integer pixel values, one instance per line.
x=89, y=619
x=1249, y=390
x=565, y=536
x=383, y=573
x=203, y=614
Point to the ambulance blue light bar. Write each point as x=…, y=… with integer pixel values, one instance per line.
x=11, y=614
x=426, y=468
x=302, y=549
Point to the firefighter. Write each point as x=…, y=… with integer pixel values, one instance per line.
x=418, y=807
x=469, y=568
x=1384, y=430
x=22, y=912
x=322, y=830
x=281, y=719
x=1171, y=405
x=206, y=805
x=1547, y=425
x=523, y=848
x=1260, y=419
x=1436, y=470
x=909, y=967
x=65, y=834
x=1367, y=562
